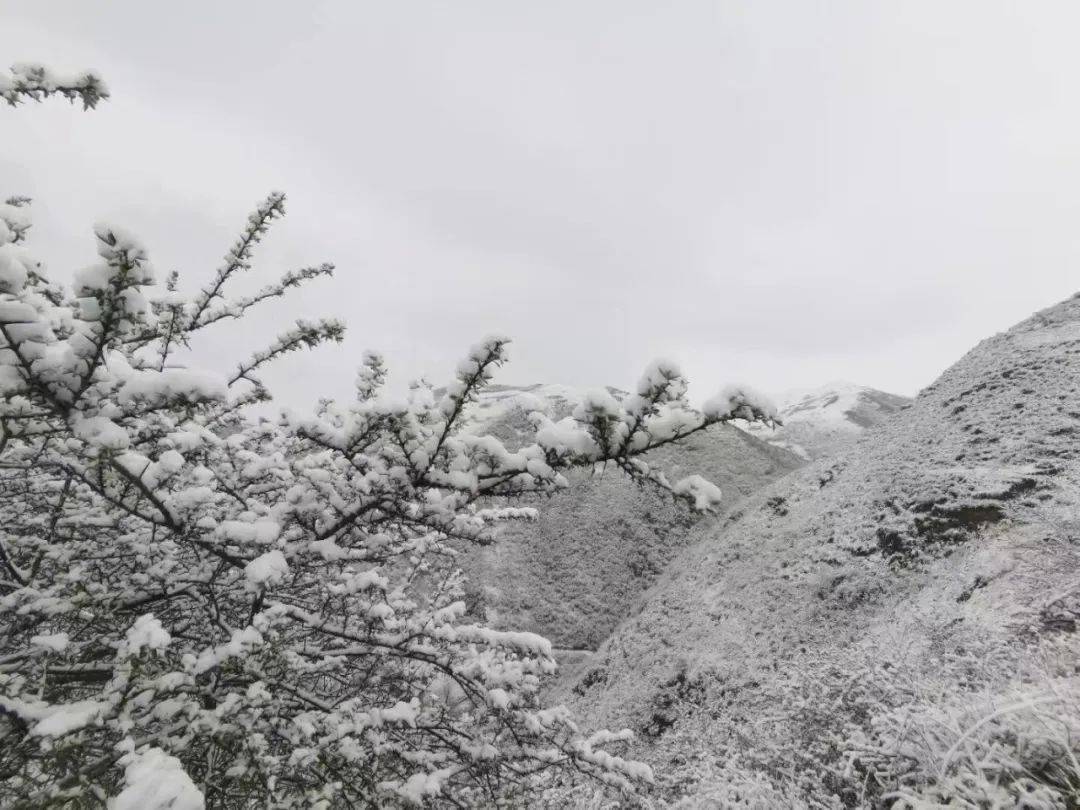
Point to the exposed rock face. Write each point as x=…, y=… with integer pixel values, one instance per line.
x=575, y=573
x=822, y=422
x=833, y=638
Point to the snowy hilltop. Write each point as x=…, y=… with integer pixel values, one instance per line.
x=819, y=422
x=895, y=623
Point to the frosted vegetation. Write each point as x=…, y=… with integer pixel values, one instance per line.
x=203, y=609
x=576, y=570
x=892, y=627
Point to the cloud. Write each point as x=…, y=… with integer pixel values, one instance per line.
x=799, y=192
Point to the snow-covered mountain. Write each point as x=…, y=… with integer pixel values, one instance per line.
x=900, y=619
x=573, y=574
x=819, y=422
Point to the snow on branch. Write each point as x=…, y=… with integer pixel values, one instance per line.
x=291, y=280
x=36, y=82
x=305, y=335
x=238, y=257
x=197, y=604
x=742, y=402
x=120, y=492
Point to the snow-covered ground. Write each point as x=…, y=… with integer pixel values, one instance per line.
x=900, y=617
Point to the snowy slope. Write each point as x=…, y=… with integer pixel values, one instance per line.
x=819, y=422
x=575, y=572
x=874, y=621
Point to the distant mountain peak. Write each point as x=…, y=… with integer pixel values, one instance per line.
x=820, y=421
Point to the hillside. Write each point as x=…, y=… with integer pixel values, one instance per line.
x=573, y=574
x=898, y=617
x=822, y=421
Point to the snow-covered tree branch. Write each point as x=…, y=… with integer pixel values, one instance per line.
x=200, y=607
x=28, y=82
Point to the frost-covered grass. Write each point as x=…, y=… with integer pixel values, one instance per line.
x=863, y=631
x=1015, y=747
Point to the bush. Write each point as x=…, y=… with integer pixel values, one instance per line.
x=199, y=608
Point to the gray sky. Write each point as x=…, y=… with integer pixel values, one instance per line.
x=778, y=193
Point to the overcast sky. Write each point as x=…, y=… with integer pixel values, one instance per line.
x=778, y=193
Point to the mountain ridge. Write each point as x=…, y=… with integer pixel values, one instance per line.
x=927, y=572
x=821, y=421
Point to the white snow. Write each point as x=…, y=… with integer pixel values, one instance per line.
x=705, y=494
x=821, y=421
x=496, y=403
x=267, y=569
x=155, y=780
x=16, y=312
x=154, y=387
x=825, y=403
x=869, y=592
x=15, y=266
x=259, y=532
x=35, y=78
x=419, y=786
x=739, y=401
x=147, y=633
x=328, y=549
x=63, y=718
x=57, y=642
x=240, y=641
x=99, y=431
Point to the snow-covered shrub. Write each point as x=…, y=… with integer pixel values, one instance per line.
x=198, y=608
x=1010, y=748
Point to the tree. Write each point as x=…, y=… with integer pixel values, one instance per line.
x=201, y=608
